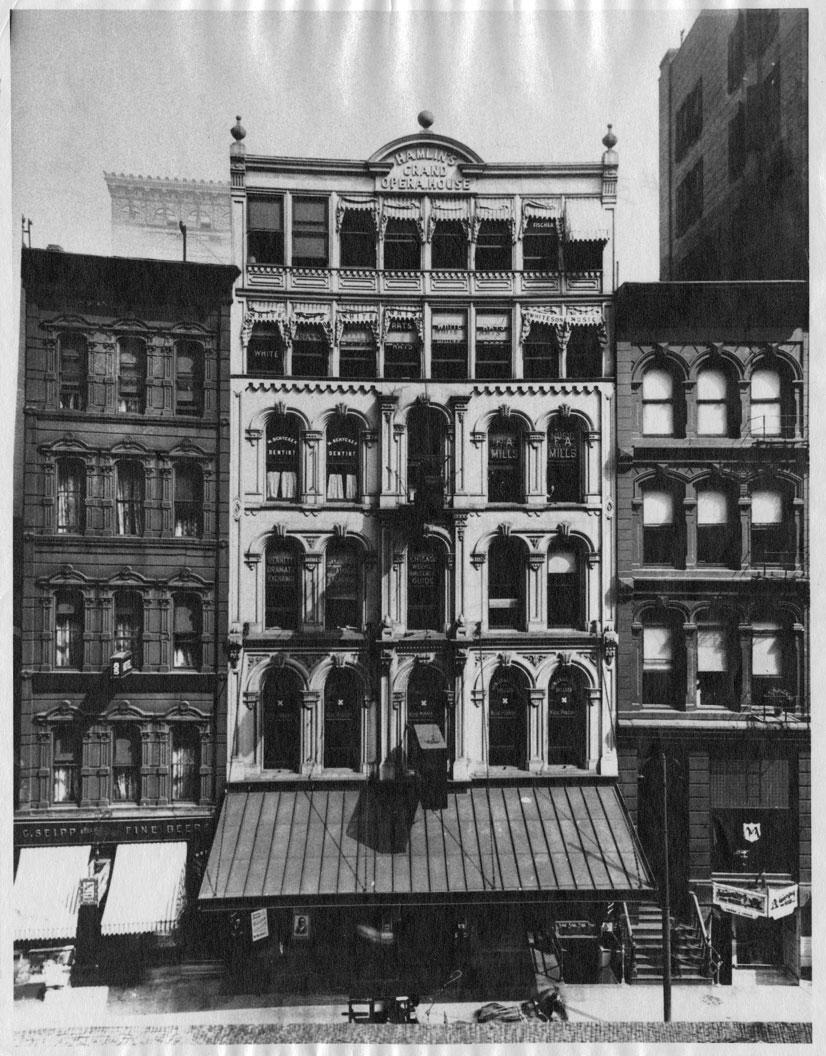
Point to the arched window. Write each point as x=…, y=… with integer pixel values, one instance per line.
x=357, y=353
x=718, y=527
x=282, y=457
x=131, y=482
x=343, y=458
x=718, y=403
x=718, y=661
x=449, y=246
x=425, y=586
x=402, y=247
x=71, y=496
x=583, y=357
x=126, y=763
x=662, y=404
x=343, y=697
x=67, y=755
x=662, y=530
x=129, y=625
x=68, y=629
x=494, y=246
x=186, y=763
x=567, y=717
x=426, y=455
x=426, y=696
x=189, y=500
x=342, y=593
x=566, y=593
x=772, y=527
x=505, y=460
x=283, y=591
x=508, y=719
x=131, y=375
x=506, y=584
x=187, y=649
x=565, y=459
x=282, y=721
x=189, y=378
x=772, y=399
x=265, y=351
x=402, y=352
x=358, y=239
x=311, y=353
x=73, y=372
x=773, y=674
x=540, y=354
x=663, y=662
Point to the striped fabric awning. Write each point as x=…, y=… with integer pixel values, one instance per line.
x=332, y=846
x=46, y=891
x=146, y=892
x=586, y=220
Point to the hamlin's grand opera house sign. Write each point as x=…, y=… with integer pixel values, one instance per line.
x=424, y=168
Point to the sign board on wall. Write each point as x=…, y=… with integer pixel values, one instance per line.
x=424, y=168
x=259, y=925
x=88, y=891
x=782, y=901
x=301, y=925
x=741, y=901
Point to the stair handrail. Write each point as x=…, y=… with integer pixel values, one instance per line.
x=711, y=959
x=629, y=955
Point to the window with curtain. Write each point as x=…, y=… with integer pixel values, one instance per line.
x=310, y=241
x=505, y=460
x=770, y=527
x=189, y=501
x=425, y=586
x=126, y=763
x=189, y=378
x=494, y=246
x=282, y=457
x=187, y=630
x=283, y=588
x=658, y=403
x=540, y=245
x=715, y=660
x=130, y=498
x=282, y=721
x=265, y=351
x=493, y=345
x=71, y=496
x=659, y=532
x=402, y=246
x=449, y=246
x=506, y=584
x=342, y=591
x=565, y=588
x=717, y=528
x=358, y=239
x=768, y=662
x=448, y=346
x=540, y=354
x=67, y=748
x=342, y=720
x=129, y=625
x=714, y=403
x=72, y=355
x=507, y=719
x=186, y=763
x=343, y=458
x=766, y=403
x=69, y=627
x=402, y=354
x=131, y=375
x=311, y=353
x=658, y=667
x=357, y=353
x=265, y=230
x=564, y=453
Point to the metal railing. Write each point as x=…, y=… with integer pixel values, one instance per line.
x=711, y=959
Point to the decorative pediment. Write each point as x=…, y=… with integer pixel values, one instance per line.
x=124, y=709
x=187, y=447
x=185, y=577
x=182, y=709
x=65, y=711
x=66, y=322
x=129, y=575
x=130, y=447
x=188, y=329
x=66, y=574
x=130, y=325
x=68, y=442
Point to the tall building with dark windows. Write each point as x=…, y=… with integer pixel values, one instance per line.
x=421, y=706
x=734, y=148
x=713, y=621
x=119, y=751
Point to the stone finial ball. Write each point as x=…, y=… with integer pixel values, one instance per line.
x=238, y=131
x=609, y=140
x=425, y=119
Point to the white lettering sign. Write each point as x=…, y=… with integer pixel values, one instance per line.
x=260, y=927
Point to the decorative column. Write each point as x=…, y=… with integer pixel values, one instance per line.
x=459, y=597
x=400, y=459
x=311, y=587
x=746, y=631
x=690, y=521
x=479, y=441
x=254, y=467
x=312, y=749
x=397, y=592
x=537, y=725
x=458, y=406
x=744, y=507
x=367, y=464
x=388, y=719
x=250, y=731
x=690, y=638
x=797, y=524
x=477, y=562
x=388, y=453
x=689, y=388
x=312, y=492
x=536, y=608
x=257, y=609
x=744, y=395
x=536, y=485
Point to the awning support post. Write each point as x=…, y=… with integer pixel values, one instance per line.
x=666, y=901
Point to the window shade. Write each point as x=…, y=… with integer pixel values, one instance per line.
x=657, y=647
x=712, y=385
x=561, y=561
x=657, y=385
x=765, y=385
x=264, y=213
x=766, y=507
x=711, y=649
x=766, y=651
x=712, y=507
x=657, y=508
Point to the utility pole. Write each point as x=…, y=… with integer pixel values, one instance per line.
x=666, y=900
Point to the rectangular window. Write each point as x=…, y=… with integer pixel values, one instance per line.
x=741, y=784
x=564, y=593
x=131, y=375
x=357, y=353
x=130, y=497
x=73, y=366
x=690, y=198
x=186, y=764
x=715, y=537
x=402, y=356
x=310, y=233
x=265, y=230
x=310, y=354
x=493, y=345
x=659, y=544
x=341, y=603
x=449, y=346
x=494, y=246
x=689, y=121
x=66, y=751
x=186, y=647
x=769, y=531
x=737, y=144
x=358, y=239
x=657, y=667
x=69, y=620
x=71, y=497
x=189, y=378
x=449, y=246
x=126, y=768
x=402, y=246
x=713, y=680
x=540, y=245
x=540, y=354
x=129, y=626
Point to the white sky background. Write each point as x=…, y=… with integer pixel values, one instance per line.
x=156, y=92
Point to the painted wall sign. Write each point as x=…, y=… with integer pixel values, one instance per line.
x=561, y=446
x=31, y=833
x=424, y=169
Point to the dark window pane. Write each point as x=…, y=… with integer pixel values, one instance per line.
x=310, y=354
x=342, y=721
x=505, y=584
x=265, y=230
x=449, y=246
x=358, y=240
x=564, y=461
x=425, y=588
x=540, y=354
x=493, y=246
x=507, y=734
x=282, y=722
x=265, y=351
x=402, y=247
x=540, y=245
x=504, y=461
x=283, y=588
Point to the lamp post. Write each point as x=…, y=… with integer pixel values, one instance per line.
x=666, y=899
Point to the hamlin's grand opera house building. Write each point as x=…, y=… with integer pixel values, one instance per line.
x=421, y=702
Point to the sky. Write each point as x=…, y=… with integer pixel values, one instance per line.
x=156, y=92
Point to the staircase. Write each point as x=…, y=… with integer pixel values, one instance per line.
x=687, y=954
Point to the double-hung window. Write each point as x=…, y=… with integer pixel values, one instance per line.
x=187, y=627
x=131, y=375
x=126, y=768
x=310, y=241
x=189, y=378
x=358, y=239
x=72, y=354
x=69, y=627
x=493, y=345
x=130, y=498
x=189, y=501
x=265, y=230
x=186, y=764
x=129, y=625
x=71, y=496
x=66, y=758
x=494, y=246
x=448, y=349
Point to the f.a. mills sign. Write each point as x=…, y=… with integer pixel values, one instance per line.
x=424, y=169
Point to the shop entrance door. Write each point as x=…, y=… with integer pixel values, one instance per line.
x=759, y=943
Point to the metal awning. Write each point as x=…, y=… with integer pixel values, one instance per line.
x=46, y=891
x=146, y=892
x=586, y=220
x=317, y=846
